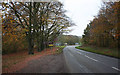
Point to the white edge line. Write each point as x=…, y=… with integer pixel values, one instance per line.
x=116, y=68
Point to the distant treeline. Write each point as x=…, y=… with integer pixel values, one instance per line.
x=104, y=29
x=69, y=39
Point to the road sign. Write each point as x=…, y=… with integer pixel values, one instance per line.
x=51, y=45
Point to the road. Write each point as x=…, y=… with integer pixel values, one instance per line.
x=79, y=61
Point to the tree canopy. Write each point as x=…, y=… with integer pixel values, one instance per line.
x=104, y=29
x=38, y=23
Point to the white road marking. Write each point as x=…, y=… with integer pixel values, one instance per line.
x=90, y=58
x=102, y=62
x=79, y=52
x=116, y=68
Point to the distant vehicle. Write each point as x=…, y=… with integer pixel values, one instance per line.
x=58, y=44
x=76, y=43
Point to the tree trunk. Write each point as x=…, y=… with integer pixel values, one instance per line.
x=30, y=40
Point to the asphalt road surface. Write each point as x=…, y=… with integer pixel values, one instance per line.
x=79, y=61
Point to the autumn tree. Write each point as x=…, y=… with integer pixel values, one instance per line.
x=42, y=21
x=13, y=38
x=103, y=30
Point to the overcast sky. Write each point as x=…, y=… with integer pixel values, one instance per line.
x=81, y=12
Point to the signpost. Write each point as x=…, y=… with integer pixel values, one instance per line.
x=51, y=45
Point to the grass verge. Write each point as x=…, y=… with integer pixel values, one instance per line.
x=101, y=50
x=60, y=49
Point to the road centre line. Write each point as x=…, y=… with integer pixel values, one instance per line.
x=101, y=62
x=98, y=61
x=90, y=58
x=116, y=68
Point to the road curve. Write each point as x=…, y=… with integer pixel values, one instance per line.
x=79, y=61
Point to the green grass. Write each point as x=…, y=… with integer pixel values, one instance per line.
x=60, y=49
x=101, y=50
x=61, y=46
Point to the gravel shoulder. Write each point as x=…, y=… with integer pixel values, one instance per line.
x=46, y=64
